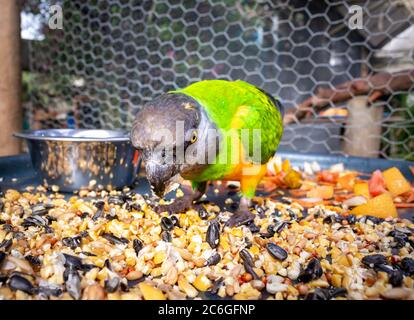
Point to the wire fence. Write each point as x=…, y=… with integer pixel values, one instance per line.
x=112, y=56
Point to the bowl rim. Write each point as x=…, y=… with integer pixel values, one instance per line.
x=67, y=135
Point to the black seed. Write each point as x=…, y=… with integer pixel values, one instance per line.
x=33, y=260
x=56, y=292
x=40, y=209
x=327, y=220
x=8, y=227
x=88, y=266
x=292, y=214
x=395, y=278
x=6, y=244
x=166, y=224
x=312, y=271
x=116, y=200
x=137, y=245
x=166, y=236
x=399, y=238
x=266, y=235
x=3, y=278
x=276, y=213
x=214, y=259
x=326, y=293
x=49, y=230
x=114, y=239
x=89, y=254
x=216, y=286
x=17, y=282
x=202, y=213
x=73, y=283
x=374, y=259
x=111, y=285
x=351, y=219
x=2, y=257
x=280, y=226
x=407, y=265
x=84, y=215
x=249, y=269
x=111, y=217
x=18, y=235
x=73, y=261
x=253, y=228
x=50, y=219
x=247, y=242
x=260, y=211
x=246, y=257
x=271, y=230
x=232, y=186
x=73, y=242
x=373, y=219
x=107, y=264
x=285, y=200
x=407, y=231
x=97, y=214
x=35, y=221
x=276, y=252
x=384, y=268
x=133, y=283
x=134, y=206
x=213, y=234
x=124, y=286
x=84, y=234
x=175, y=221
x=100, y=206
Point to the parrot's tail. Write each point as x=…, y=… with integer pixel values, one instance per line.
x=276, y=102
x=280, y=106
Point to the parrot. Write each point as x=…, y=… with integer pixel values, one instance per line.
x=228, y=130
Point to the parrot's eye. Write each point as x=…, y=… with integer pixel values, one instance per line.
x=194, y=137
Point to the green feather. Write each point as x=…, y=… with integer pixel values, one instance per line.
x=222, y=101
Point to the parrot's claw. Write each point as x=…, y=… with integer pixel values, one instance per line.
x=240, y=217
x=179, y=205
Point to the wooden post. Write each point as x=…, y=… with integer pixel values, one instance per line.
x=10, y=77
x=363, y=132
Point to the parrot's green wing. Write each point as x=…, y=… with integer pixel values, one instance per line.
x=240, y=105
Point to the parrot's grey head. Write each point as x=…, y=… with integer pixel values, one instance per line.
x=163, y=130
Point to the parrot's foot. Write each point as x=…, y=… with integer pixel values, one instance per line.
x=179, y=205
x=182, y=204
x=240, y=217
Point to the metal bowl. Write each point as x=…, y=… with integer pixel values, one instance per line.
x=82, y=159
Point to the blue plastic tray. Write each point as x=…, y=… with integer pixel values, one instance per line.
x=16, y=171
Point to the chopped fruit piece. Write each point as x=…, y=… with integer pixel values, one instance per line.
x=395, y=181
x=381, y=206
x=323, y=192
x=327, y=176
x=347, y=181
x=286, y=166
x=376, y=184
x=362, y=189
x=293, y=179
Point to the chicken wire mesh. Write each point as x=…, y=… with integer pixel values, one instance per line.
x=112, y=56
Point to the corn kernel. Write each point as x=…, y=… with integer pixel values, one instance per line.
x=151, y=293
x=202, y=283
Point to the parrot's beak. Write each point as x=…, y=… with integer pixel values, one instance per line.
x=162, y=177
